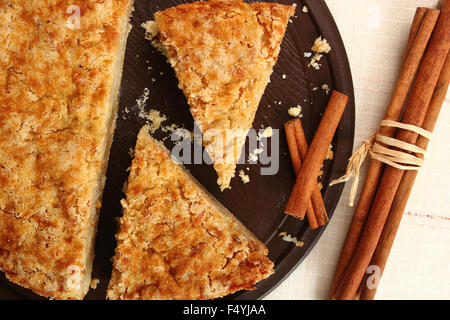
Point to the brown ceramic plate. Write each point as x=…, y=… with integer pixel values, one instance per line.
x=259, y=204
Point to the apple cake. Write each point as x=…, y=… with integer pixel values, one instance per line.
x=60, y=70
x=175, y=240
x=223, y=53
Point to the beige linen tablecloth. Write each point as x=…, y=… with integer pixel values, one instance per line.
x=375, y=34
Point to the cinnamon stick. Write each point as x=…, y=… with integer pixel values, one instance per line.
x=383, y=249
x=307, y=177
x=393, y=112
x=316, y=197
x=293, y=147
x=415, y=112
x=294, y=151
x=417, y=22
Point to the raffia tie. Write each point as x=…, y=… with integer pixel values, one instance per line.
x=402, y=160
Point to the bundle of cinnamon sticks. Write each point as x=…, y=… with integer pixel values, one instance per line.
x=417, y=101
x=306, y=198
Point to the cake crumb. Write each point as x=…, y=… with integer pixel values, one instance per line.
x=268, y=132
x=151, y=32
x=321, y=45
x=320, y=185
x=142, y=100
x=321, y=172
x=330, y=153
x=305, y=9
x=153, y=117
x=326, y=88
x=156, y=119
x=170, y=128
x=151, y=29
x=94, y=283
x=284, y=76
x=295, y=111
x=245, y=178
x=182, y=135
x=315, y=61
x=254, y=156
x=288, y=238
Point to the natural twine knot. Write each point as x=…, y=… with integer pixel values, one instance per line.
x=402, y=160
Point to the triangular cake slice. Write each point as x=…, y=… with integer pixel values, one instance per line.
x=223, y=53
x=175, y=240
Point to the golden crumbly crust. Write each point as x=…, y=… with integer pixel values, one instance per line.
x=57, y=80
x=223, y=52
x=175, y=240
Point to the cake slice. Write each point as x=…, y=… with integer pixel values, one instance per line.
x=223, y=53
x=175, y=240
x=60, y=70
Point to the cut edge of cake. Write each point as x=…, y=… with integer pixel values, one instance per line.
x=115, y=99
